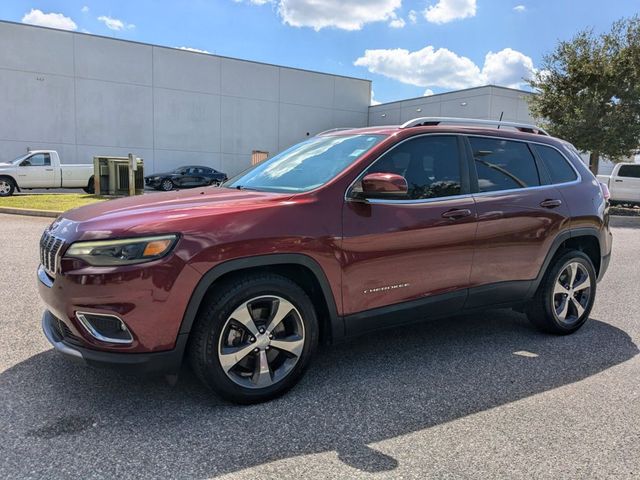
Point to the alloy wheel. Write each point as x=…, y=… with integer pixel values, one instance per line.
x=571, y=293
x=167, y=185
x=261, y=342
x=5, y=187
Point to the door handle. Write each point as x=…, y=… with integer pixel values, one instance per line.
x=49, y=169
x=619, y=181
x=551, y=203
x=457, y=213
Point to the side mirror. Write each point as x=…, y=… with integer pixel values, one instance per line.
x=381, y=185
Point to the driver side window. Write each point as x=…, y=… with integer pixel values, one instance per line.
x=430, y=164
x=37, y=160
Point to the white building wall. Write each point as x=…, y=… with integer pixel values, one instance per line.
x=85, y=95
x=487, y=102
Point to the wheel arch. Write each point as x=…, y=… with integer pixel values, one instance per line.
x=10, y=177
x=585, y=239
x=299, y=267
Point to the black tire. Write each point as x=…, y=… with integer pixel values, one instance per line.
x=205, y=341
x=90, y=188
x=7, y=186
x=166, y=185
x=542, y=311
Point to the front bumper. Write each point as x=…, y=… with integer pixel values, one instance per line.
x=167, y=362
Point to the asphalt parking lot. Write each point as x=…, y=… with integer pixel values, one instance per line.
x=445, y=399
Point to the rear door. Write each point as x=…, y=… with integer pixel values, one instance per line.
x=519, y=214
x=626, y=185
x=36, y=171
x=416, y=247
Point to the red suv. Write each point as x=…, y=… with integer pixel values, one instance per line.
x=347, y=232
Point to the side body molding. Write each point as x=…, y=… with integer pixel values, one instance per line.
x=336, y=323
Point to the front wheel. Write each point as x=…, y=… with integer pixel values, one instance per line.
x=253, y=338
x=166, y=185
x=565, y=297
x=7, y=187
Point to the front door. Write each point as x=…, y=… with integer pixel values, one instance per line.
x=36, y=171
x=627, y=183
x=415, y=248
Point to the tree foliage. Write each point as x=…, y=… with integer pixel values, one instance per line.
x=589, y=91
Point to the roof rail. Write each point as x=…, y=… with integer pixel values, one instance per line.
x=334, y=130
x=432, y=121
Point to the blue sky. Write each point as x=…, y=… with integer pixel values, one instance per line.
x=407, y=47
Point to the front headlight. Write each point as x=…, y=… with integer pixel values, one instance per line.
x=104, y=253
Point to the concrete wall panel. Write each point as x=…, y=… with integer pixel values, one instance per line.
x=182, y=70
x=11, y=149
x=36, y=49
x=351, y=94
x=249, y=125
x=298, y=123
x=384, y=116
x=343, y=118
x=186, y=121
x=109, y=59
x=36, y=107
x=166, y=160
x=250, y=80
x=113, y=114
x=306, y=88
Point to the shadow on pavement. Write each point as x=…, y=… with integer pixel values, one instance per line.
x=62, y=418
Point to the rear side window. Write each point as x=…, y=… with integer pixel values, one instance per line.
x=559, y=169
x=430, y=164
x=632, y=171
x=503, y=164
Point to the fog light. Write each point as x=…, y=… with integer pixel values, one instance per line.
x=105, y=327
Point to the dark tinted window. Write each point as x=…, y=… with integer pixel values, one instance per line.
x=37, y=160
x=430, y=164
x=557, y=166
x=503, y=164
x=629, y=171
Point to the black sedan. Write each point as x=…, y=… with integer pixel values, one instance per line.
x=185, y=177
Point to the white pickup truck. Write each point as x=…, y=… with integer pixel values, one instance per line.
x=42, y=169
x=623, y=183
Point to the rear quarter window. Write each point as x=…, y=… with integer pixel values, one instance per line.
x=556, y=164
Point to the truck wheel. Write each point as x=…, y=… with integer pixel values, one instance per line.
x=166, y=185
x=7, y=186
x=253, y=338
x=90, y=188
x=565, y=297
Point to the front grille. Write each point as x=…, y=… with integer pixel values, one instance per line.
x=50, y=248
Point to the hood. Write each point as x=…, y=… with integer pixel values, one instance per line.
x=168, y=212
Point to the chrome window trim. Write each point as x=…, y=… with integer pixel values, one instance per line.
x=80, y=315
x=377, y=201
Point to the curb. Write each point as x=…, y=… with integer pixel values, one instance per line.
x=29, y=212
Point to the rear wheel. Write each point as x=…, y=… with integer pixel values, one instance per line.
x=90, y=188
x=565, y=297
x=7, y=187
x=253, y=338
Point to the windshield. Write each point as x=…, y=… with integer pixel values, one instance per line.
x=307, y=165
x=19, y=159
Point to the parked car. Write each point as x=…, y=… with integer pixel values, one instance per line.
x=623, y=183
x=347, y=232
x=42, y=169
x=185, y=177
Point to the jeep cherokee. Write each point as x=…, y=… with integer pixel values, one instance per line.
x=347, y=232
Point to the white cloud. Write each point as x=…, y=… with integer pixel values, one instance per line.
x=373, y=100
x=413, y=16
x=191, y=49
x=115, y=23
x=53, y=20
x=427, y=93
x=519, y=8
x=342, y=14
x=448, y=10
x=84, y=9
x=397, y=23
x=443, y=68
